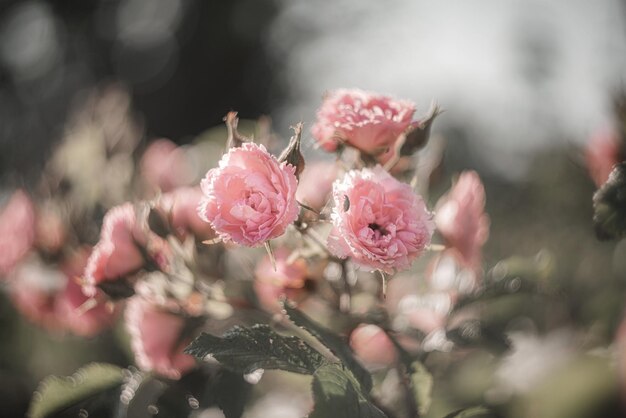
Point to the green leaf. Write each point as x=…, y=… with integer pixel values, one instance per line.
x=338, y=394
x=609, y=206
x=333, y=342
x=474, y=412
x=422, y=385
x=248, y=349
x=55, y=395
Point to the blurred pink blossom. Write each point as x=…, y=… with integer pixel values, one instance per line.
x=316, y=183
x=120, y=251
x=17, y=231
x=448, y=272
x=34, y=288
x=602, y=153
x=53, y=298
x=181, y=209
x=287, y=280
x=378, y=221
x=165, y=167
x=156, y=338
x=363, y=120
x=461, y=219
x=426, y=312
x=250, y=198
x=372, y=346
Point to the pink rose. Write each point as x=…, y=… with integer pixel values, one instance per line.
x=251, y=197
x=17, y=231
x=288, y=280
x=603, y=151
x=33, y=289
x=378, y=221
x=461, y=218
x=120, y=251
x=156, y=338
x=363, y=120
x=164, y=166
x=372, y=346
x=181, y=209
x=316, y=183
x=51, y=298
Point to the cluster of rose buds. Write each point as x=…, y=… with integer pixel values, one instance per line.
x=257, y=228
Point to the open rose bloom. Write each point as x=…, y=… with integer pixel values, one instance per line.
x=378, y=221
x=366, y=121
x=250, y=197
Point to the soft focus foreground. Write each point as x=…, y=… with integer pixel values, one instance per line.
x=359, y=267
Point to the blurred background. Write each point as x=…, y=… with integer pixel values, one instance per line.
x=524, y=85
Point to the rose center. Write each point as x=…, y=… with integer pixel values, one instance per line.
x=375, y=227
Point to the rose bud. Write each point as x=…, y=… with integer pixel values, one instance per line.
x=250, y=198
x=366, y=121
x=461, y=219
x=288, y=280
x=602, y=153
x=372, y=346
x=378, y=221
x=156, y=338
x=165, y=167
x=17, y=231
x=316, y=183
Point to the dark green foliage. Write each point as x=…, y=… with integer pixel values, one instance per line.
x=248, y=349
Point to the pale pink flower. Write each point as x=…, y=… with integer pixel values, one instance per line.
x=181, y=208
x=288, y=280
x=378, y=221
x=251, y=197
x=156, y=338
x=363, y=120
x=426, y=312
x=17, y=231
x=449, y=272
x=603, y=151
x=164, y=166
x=461, y=219
x=116, y=255
x=34, y=288
x=51, y=298
x=316, y=183
x=372, y=346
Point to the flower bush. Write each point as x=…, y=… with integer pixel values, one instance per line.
x=364, y=276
